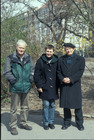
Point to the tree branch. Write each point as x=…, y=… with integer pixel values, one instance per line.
x=76, y=34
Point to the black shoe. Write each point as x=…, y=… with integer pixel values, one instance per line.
x=26, y=127
x=46, y=127
x=65, y=126
x=81, y=128
x=51, y=126
x=14, y=131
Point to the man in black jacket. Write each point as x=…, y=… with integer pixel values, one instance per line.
x=46, y=82
x=70, y=70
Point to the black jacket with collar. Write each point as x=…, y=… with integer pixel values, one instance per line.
x=45, y=77
x=70, y=94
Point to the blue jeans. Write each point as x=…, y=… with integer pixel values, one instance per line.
x=48, y=111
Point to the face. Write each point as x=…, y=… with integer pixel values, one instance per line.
x=49, y=52
x=21, y=49
x=69, y=51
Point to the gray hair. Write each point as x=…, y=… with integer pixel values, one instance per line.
x=21, y=42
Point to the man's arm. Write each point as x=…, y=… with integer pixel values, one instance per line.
x=38, y=75
x=32, y=71
x=59, y=74
x=78, y=74
x=8, y=73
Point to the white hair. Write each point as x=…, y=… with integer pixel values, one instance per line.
x=21, y=42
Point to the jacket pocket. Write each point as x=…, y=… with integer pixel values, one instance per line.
x=45, y=87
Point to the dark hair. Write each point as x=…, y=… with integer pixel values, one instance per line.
x=49, y=47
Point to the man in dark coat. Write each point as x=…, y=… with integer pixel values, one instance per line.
x=46, y=82
x=70, y=70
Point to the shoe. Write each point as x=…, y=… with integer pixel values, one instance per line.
x=26, y=127
x=65, y=126
x=14, y=131
x=46, y=127
x=51, y=126
x=81, y=128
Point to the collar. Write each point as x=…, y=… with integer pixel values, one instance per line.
x=70, y=56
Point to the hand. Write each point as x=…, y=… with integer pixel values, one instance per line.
x=40, y=90
x=66, y=80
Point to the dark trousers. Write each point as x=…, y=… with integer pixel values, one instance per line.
x=78, y=116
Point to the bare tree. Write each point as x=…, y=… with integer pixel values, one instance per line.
x=55, y=17
x=85, y=8
x=64, y=17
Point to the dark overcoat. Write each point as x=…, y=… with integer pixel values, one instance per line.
x=70, y=94
x=45, y=77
